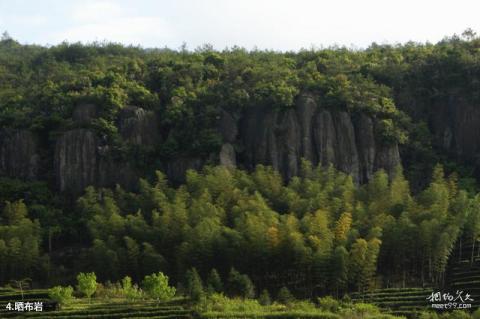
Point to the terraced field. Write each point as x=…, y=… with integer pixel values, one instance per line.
x=398, y=301
x=464, y=275
x=461, y=275
x=82, y=309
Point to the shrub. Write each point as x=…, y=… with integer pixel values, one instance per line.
x=87, y=283
x=194, y=285
x=131, y=292
x=109, y=290
x=328, y=303
x=240, y=285
x=428, y=315
x=302, y=306
x=284, y=296
x=156, y=287
x=214, y=282
x=363, y=309
x=264, y=298
x=456, y=314
x=223, y=304
x=62, y=295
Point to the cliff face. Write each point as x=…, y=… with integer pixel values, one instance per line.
x=456, y=128
x=280, y=138
x=76, y=160
x=82, y=158
x=18, y=154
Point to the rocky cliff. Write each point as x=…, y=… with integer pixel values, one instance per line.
x=83, y=158
x=18, y=154
x=260, y=135
x=455, y=124
x=282, y=138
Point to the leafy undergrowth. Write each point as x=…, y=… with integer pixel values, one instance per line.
x=408, y=302
x=112, y=308
x=218, y=306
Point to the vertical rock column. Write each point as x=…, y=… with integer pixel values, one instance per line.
x=18, y=154
x=76, y=160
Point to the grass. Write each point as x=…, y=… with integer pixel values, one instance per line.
x=216, y=307
x=112, y=308
x=408, y=302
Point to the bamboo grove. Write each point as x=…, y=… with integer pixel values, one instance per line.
x=319, y=233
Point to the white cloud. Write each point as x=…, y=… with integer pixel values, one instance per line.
x=106, y=20
x=96, y=11
x=33, y=20
x=275, y=24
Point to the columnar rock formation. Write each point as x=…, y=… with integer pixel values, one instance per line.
x=76, y=160
x=259, y=135
x=18, y=154
x=282, y=138
x=455, y=124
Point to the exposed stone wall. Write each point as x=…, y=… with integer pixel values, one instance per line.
x=280, y=138
x=18, y=154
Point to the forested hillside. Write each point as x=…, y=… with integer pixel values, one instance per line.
x=325, y=171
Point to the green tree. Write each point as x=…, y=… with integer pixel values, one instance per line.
x=61, y=295
x=15, y=212
x=194, y=285
x=264, y=298
x=240, y=285
x=131, y=291
x=214, y=282
x=156, y=287
x=87, y=283
x=284, y=296
x=358, y=255
x=342, y=227
x=473, y=224
x=340, y=269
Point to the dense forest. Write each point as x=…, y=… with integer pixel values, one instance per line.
x=304, y=216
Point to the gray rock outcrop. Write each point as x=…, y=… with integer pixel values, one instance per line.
x=138, y=126
x=456, y=128
x=76, y=160
x=19, y=154
x=320, y=135
x=258, y=135
x=82, y=158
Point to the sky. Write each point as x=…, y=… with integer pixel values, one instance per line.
x=282, y=25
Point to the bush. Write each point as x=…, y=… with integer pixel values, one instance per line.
x=221, y=303
x=131, y=292
x=62, y=295
x=264, y=298
x=284, y=296
x=109, y=290
x=240, y=285
x=328, y=303
x=87, y=283
x=302, y=306
x=456, y=314
x=156, y=287
x=363, y=309
x=428, y=315
x=214, y=282
x=194, y=286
